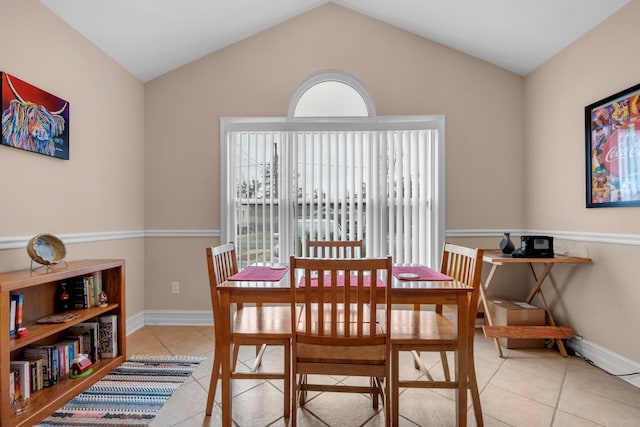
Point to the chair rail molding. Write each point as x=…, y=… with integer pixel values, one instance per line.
x=20, y=242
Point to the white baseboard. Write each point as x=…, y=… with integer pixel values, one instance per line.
x=178, y=317
x=607, y=360
x=135, y=322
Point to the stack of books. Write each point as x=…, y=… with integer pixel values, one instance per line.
x=44, y=365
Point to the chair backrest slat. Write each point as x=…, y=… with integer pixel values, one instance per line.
x=341, y=297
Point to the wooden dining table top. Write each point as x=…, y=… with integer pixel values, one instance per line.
x=397, y=283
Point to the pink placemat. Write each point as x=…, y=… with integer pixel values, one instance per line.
x=366, y=282
x=255, y=273
x=424, y=273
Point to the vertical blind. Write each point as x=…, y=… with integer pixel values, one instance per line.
x=285, y=187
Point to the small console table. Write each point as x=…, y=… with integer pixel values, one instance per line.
x=496, y=258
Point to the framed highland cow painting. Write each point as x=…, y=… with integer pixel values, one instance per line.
x=32, y=119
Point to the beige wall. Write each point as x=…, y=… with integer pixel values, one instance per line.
x=100, y=189
x=601, y=302
x=405, y=74
x=515, y=148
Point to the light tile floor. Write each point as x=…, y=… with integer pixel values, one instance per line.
x=533, y=387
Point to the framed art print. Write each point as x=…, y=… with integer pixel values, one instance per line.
x=612, y=130
x=32, y=119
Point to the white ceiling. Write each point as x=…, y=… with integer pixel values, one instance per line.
x=152, y=37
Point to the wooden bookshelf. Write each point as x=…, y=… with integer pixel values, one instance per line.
x=39, y=290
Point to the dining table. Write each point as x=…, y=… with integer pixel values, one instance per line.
x=410, y=285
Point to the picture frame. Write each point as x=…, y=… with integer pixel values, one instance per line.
x=612, y=136
x=33, y=119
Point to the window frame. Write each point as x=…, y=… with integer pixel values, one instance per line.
x=382, y=123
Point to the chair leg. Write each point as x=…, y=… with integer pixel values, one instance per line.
x=259, y=354
x=236, y=348
x=417, y=362
x=395, y=389
x=387, y=397
x=416, y=357
x=287, y=381
x=445, y=365
x=475, y=395
x=373, y=382
x=303, y=393
x=213, y=384
x=294, y=396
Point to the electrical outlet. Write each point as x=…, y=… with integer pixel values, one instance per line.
x=175, y=288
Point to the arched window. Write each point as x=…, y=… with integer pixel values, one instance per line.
x=333, y=170
x=331, y=94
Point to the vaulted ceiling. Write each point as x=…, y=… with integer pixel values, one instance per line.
x=153, y=37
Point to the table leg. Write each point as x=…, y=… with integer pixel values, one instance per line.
x=225, y=309
x=538, y=290
x=462, y=360
x=485, y=304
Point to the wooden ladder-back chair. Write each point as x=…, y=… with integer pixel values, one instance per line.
x=336, y=330
x=334, y=248
x=432, y=331
x=252, y=325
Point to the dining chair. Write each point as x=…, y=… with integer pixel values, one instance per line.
x=336, y=331
x=251, y=325
x=334, y=248
x=414, y=330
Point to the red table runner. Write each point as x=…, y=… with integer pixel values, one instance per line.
x=424, y=273
x=255, y=273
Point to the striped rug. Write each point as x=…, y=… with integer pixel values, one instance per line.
x=130, y=395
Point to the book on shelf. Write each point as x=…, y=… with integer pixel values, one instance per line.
x=108, y=336
x=17, y=386
x=89, y=284
x=49, y=356
x=12, y=316
x=78, y=293
x=12, y=381
x=24, y=373
x=97, y=287
x=19, y=301
x=12, y=387
x=58, y=318
x=90, y=338
x=36, y=373
x=79, y=345
x=66, y=351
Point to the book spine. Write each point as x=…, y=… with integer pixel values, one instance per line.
x=60, y=351
x=12, y=387
x=97, y=287
x=23, y=370
x=33, y=375
x=79, y=297
x=17, y=386
x=41, y=353
x=108, y=337
x=19, y=307
x=12, y=316
x=90, y=291
x=54, y=364
x=40, y=363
